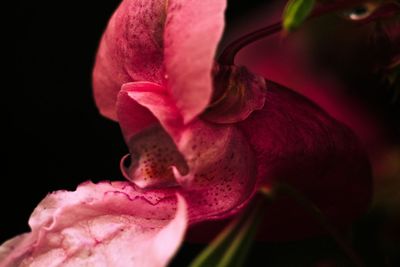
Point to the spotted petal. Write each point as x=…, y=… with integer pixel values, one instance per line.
x=130, y=50
x=212, y=164
x=106, y=224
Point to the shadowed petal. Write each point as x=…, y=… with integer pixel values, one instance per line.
x=135, y=116
x=237, y=93
x=131, y=49
x=299, y=144
x=192, y=32
x=105, y=224
x=132, y=116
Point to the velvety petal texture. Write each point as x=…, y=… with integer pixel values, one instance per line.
x=221, y=178
x=299, y=144
x=105, y=224
x=166, y=42
x=131, y=49
x=192, y=32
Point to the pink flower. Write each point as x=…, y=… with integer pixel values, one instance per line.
x=105, y=224
x=203, y=138
x=216, y=132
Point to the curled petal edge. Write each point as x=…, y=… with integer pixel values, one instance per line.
x=98, y=223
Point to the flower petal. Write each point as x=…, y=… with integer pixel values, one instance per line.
x=131, y=49
x=192, y=32
x=216, y=171
x=298, y=144
x=221, y=178
x=237, y=93
x=147, y=39
x=135, y=116
x=105, y=224
x=132, y=116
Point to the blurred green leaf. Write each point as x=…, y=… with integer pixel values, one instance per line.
x=231, y=247
x=296, y=11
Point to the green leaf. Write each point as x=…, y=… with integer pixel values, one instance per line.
x=232, y=245
x=295, y=13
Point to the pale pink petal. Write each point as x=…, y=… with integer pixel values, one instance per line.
x=192, y=32
x=159, y=108
x=132, y=116
x=131, y=49
x=105, y=224
x=213, y=164
x=12, y=250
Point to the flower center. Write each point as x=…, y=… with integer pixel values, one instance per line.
x=153, y=157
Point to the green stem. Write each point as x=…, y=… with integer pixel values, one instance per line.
x=211, y=253
x=232, y=245
x=236, y=253
x=227, y=56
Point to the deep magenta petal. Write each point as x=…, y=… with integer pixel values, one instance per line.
x=192, y=32
x=105, y=224
x=297, y=143
x=131, y=49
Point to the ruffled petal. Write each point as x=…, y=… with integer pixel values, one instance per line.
x=105, y=224
x=192, y=32
x=131, y=49
x=212, y=163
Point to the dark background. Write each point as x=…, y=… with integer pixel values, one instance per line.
x=55, y=138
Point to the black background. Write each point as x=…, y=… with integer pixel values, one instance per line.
x=55, y=137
